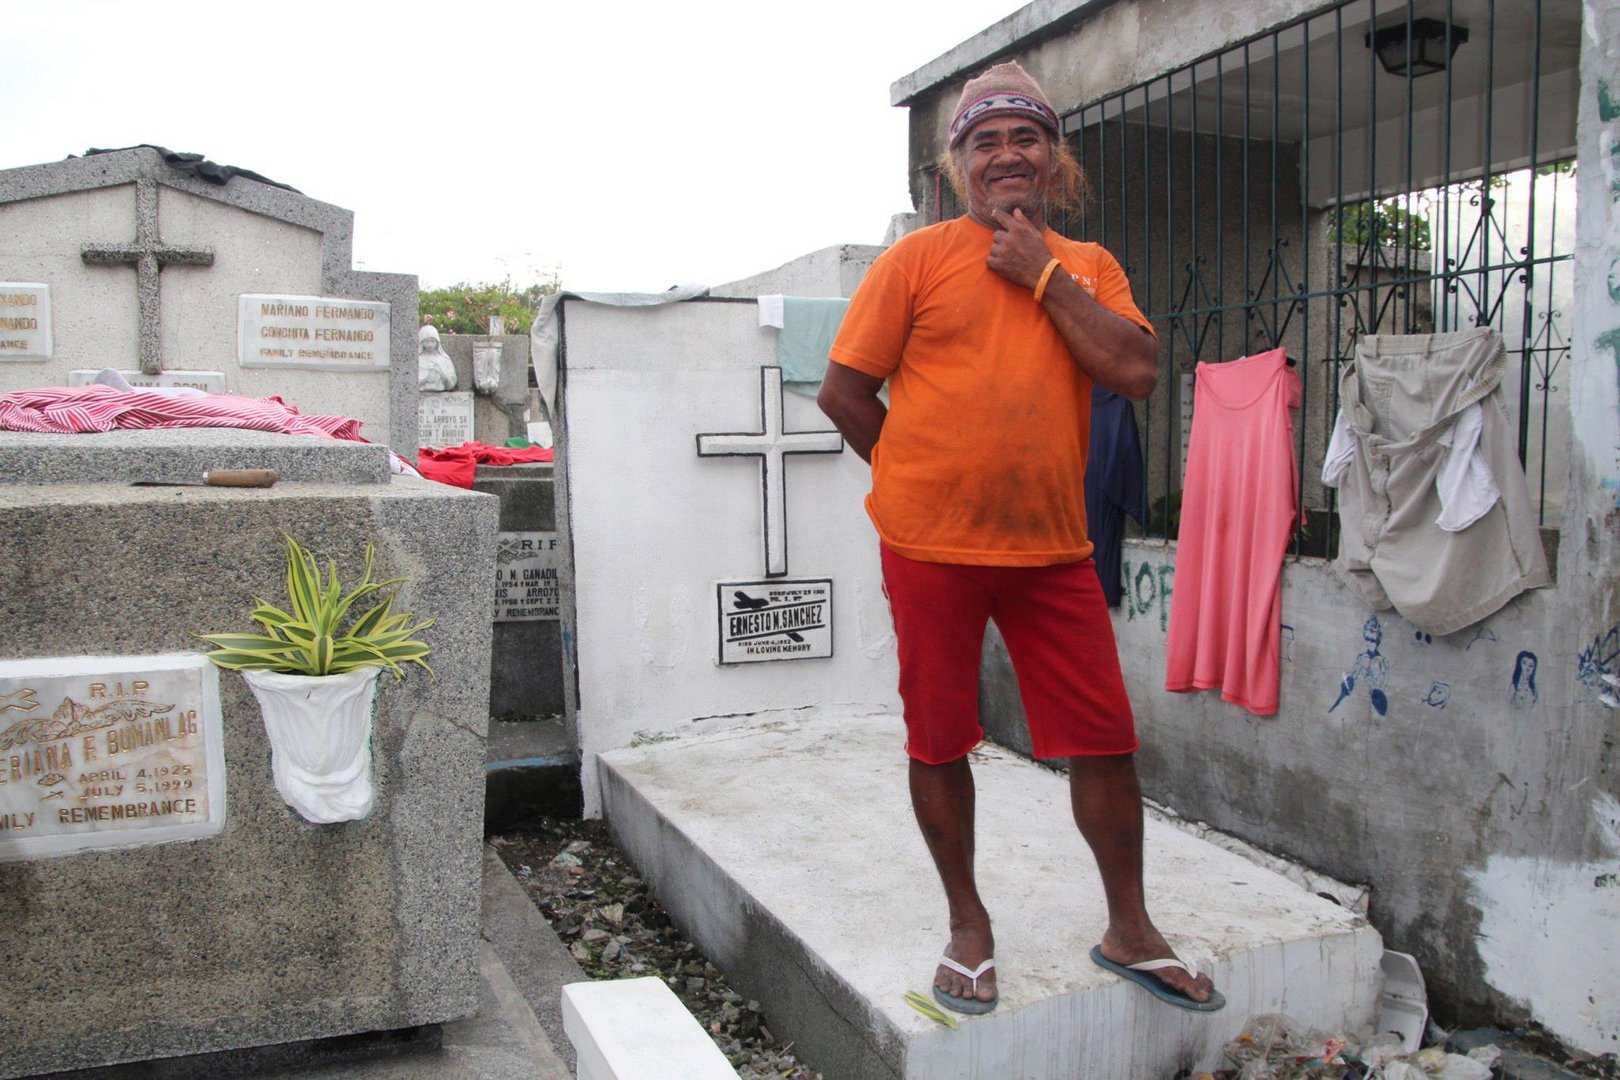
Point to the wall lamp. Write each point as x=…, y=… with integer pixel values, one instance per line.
x=1424, y=53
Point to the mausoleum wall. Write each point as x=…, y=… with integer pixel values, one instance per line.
x=1485, y=816
x=661, y=537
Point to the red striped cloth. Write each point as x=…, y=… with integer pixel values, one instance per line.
x=63, y=410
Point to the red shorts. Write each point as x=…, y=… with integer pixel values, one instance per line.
x=1055, y=623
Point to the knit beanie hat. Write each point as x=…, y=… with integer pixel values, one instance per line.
x=1004, y=89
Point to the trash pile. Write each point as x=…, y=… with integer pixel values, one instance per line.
x=1273, y=1047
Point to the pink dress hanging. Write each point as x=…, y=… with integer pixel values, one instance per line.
x=1237, y=513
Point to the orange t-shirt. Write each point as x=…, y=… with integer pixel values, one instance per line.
x=982, y=458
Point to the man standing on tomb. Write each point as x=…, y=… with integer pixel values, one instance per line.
x=990, y=330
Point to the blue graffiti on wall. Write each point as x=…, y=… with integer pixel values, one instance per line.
x=1522, y=692
x=1600, y=658
x=1149, y=587
x=1371, y=669
x=1439, y=693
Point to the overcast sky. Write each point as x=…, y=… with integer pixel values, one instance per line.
x=634, y=145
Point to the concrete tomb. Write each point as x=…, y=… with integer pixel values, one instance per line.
x=158, y=886
x=511, y=407
x=162, y=899
x=527, y=667
x=739, y=727
x=120, y=259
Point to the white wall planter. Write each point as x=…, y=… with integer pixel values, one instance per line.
x=320, y=739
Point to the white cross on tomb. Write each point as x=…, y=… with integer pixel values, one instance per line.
x=771, y=446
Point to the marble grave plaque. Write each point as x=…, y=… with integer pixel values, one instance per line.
x=108, y=751
x=445, y=419
x=775, y=619
x=526, y=584
x=320, y=332
x=25, y=321
x=209, y=382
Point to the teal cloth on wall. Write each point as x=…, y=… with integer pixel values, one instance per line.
x=809, y=324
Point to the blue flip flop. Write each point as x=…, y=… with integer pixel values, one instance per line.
x=1140, y=974
x=970, y=1005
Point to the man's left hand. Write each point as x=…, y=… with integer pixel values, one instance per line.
x=1018, y=251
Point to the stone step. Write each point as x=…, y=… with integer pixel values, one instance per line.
x=788, y=852
x=530, y=771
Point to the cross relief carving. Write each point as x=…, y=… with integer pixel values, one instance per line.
x=148, y=255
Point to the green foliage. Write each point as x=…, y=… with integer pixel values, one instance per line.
x=1385, y=222
x=311, y=640
x=465, y=308
x=1164, y=516
x=929, y=1009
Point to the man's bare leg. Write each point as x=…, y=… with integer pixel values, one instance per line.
x=942, y=797
x=1107, y=802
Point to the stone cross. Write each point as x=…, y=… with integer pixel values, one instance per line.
x=148, y=254
x=771, y=446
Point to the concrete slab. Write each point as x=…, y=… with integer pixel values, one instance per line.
x=787, y=852
x=531, y=772
x=504, y=1041
x=122, y=457
x=530, y=951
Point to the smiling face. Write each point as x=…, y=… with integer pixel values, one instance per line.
x=1007, y=164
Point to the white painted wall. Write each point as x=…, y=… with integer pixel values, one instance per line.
x=655, y=528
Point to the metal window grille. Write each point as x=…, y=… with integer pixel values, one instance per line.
x=1289, y=190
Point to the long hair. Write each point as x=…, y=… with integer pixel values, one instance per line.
x=1069, y=189
x=1529, y=678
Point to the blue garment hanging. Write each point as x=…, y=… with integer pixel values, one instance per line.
x=1115, y=485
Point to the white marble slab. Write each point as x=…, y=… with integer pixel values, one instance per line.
x=25, y=320
x=108, y=752
x=324, y=333
x=445, y=419
x=526, y=584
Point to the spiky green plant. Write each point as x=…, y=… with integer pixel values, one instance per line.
x=310, y=639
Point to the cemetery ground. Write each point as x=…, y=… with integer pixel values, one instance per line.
x=614, y=927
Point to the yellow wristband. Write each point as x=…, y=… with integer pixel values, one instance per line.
x=1046, y=276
